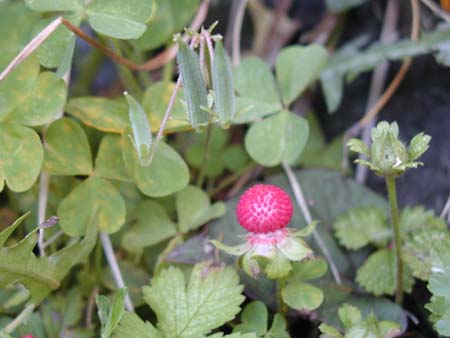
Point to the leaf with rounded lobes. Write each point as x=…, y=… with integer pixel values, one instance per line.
x=120, y=20
x=41, y=102
x=297, y=67
x=18, y=263
x=54, y=5
x=149, y=225
x=170, y=17
x=155, y=101
x=278, y=138
x=210, y=299
x=167, y=174
x=254, y=80
x=194, y=208
x=194, y=87
x=302, y=296
x=100, y=113
x=222, y=81
x=109, y=162
x=67, y=150
x=377, y=274
x=21, y=157
x=94, y=202
x=142, y=136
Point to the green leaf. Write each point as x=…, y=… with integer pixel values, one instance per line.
x=142, y=136
x=112, y=18
x=297, y=67
x=278, y=138
x=222, y=82
x=21, y=157
x=210, y=299
x=251, y=110
x=329, y=331
x=131, y=325
x=378, y=274
x=361, y=226
x=95, y=201
x=254, y=319
x=349, y=315
x=358, y=146
x=18, y=263
x=100, y=113
x=308, y=270
x=38, y=102
x=110, y=313
x=235, y=158
x=155, y=102
x=195, y=93
x=439, y=283
x=166, y=175
x=53, y=5
x=254, y=80
x=109, y=162
x=418, y=145
x=194, y=208
x=302, y=296
x=67, y=150
x=170, y=17
x=150, y=225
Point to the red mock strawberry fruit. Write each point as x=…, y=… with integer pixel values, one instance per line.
x=264, y=208
x=264, y=211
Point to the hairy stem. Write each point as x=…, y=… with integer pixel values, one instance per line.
x=395, y=218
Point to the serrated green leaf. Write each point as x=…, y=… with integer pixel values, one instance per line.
x=142, y=136
x=109, y=162
x=280, y=137
x=101, y=113
x=418, y=145
x=170, y=17
x=222, y=82
x=95, y=201
x=38, y=103
x=155, y=101
x=360, y=226
x=21, y=157
x=378, y=274
x=167, y=174
x=349, y=315
x=131, y=325
x=302, y=296
x=150, y=225
x=358, y=146
x=53, y=5
x=112, y=18
x=194, y=87
x=194, y=208
x=67, y=150
x=18, y=263
x=254, y=318
x=210, y=299
x=254, y=80
x=439, y=283
x=297, y=67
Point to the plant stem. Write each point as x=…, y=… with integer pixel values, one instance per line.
x=21, y=317
x=201, y=175
x=282, y=307
x=392, y=194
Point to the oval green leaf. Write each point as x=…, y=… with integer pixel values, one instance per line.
x=67, y=150
x=21, y=157
x=302, y=296
x=94, y=201
x=280, y=137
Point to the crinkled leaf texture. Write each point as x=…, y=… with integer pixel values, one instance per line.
x=210, y=299
x=440, y=302
x=18, y=263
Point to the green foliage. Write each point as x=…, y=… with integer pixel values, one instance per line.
x=439, y=305
x=110, y=313
x=356, y=326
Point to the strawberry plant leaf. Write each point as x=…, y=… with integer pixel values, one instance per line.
x=297, y=67
x=280, y=137
x=21, y=157
x=131, y=325
x=211, y=298
x=67, y=150
x=111, y=18
x=95, y=201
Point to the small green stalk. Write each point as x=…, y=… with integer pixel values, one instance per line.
x=201, y=175
x=282, y=307
x=392, y=193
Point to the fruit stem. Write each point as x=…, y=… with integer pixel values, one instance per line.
x=395, y=218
